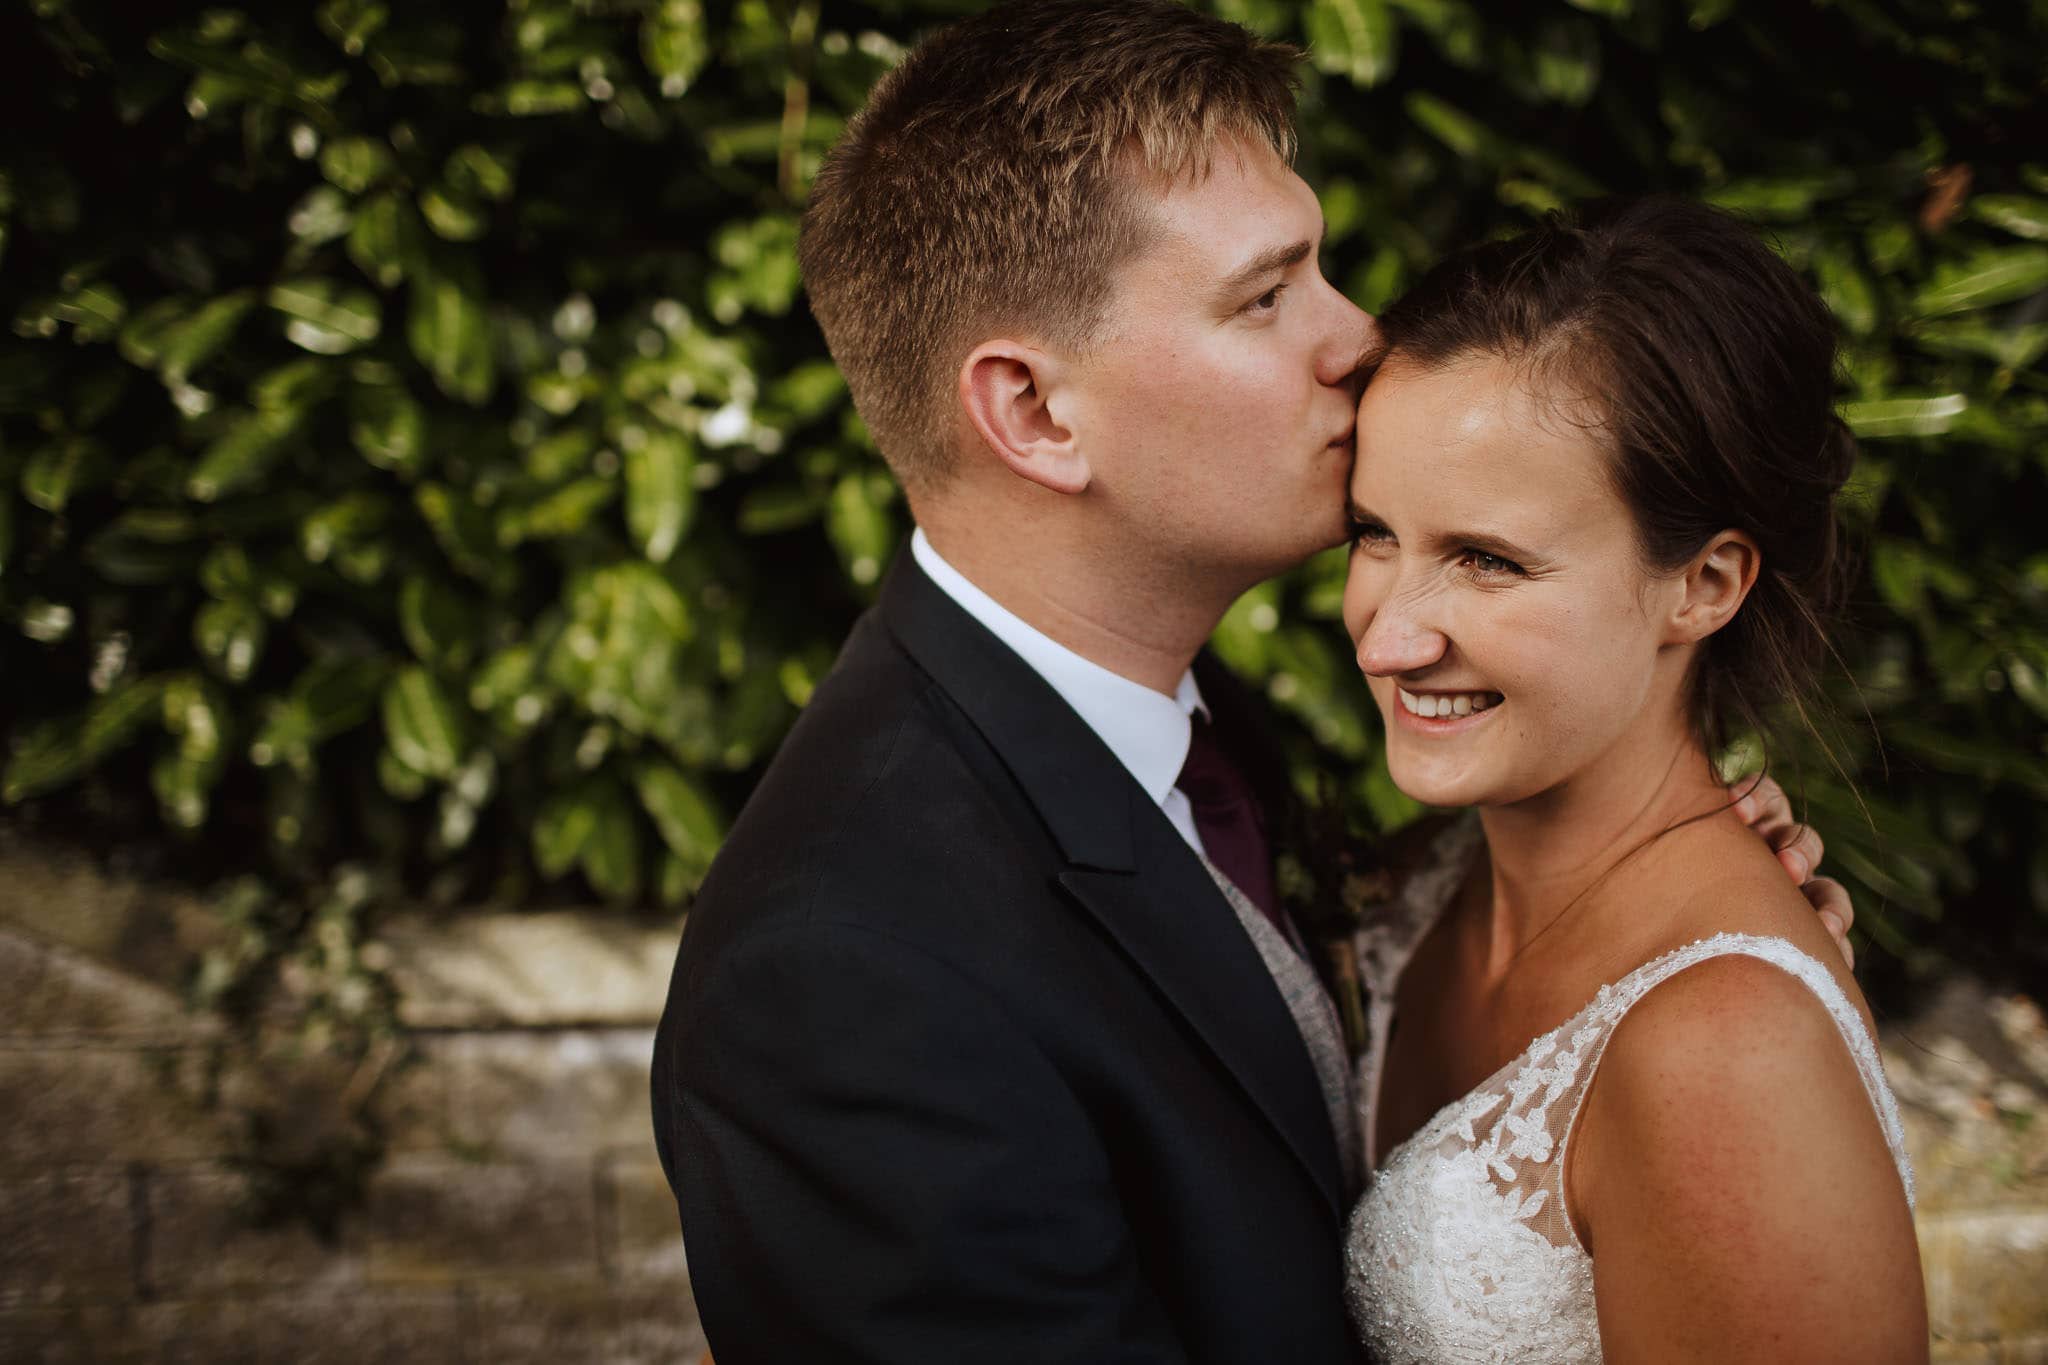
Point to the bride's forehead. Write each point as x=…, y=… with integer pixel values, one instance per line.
x=1446, y=435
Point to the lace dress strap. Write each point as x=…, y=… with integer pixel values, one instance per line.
x=1613, y=1003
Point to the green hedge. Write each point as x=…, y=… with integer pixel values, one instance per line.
x=416, y=461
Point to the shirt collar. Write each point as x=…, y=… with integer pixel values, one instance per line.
x=1148, y=731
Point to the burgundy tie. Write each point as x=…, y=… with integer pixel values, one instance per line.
x=1227, y=819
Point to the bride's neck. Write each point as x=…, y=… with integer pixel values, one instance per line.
x=1551, y=855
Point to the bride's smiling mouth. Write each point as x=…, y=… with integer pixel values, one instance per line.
x=1438, y=712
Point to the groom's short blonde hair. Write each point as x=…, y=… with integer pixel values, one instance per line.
x=993, y=184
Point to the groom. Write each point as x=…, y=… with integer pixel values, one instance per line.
x=971, y=1054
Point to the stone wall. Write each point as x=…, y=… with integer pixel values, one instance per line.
x=520, y=1214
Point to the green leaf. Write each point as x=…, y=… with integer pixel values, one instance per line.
x=229, y=636
x=1930, y=415
x=402, y=782
x=1353, y=38
x=424, y=728
x=59, y=469
x=1988, y=277
x=561, y=829
x=1466, y=136
x=244, y=453
x=351, y=23
x=660, y=496
x=2014, y=347
x=779, y=507
x=683, y=815
x=450, y=335
x=1787, y=197
x=175, y=342
x=1848, y=291
x=328, y=699
x=478, y=173
x=355, y=164
x=674, y=44
x=861, y=530
x=611, y=855
x=2021, y=215
x=452, y=216
x=335, y=526
x=389, y=427
x=323, y=215
x=1567, y=60
x=564, y=512
x=325, y=319
x=439, y=625
x=386, y=242
x=65, y=749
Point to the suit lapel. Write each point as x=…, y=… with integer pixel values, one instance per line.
x=1126, y=865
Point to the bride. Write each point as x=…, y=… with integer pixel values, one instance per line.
x=1621, y=1099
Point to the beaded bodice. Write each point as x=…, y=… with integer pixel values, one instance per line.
x=1462, y=1249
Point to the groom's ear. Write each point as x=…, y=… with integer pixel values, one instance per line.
x=1714, y=586
x=1006, y=388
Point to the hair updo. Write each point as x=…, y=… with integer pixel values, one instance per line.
x=1711, y=366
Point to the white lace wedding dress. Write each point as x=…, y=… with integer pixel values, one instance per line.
x=1461, y=1249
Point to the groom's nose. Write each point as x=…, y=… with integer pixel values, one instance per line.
x=1353, y=346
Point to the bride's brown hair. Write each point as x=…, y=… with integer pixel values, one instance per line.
x=1711, y=367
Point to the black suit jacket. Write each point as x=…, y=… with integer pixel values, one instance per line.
x=965, y=1059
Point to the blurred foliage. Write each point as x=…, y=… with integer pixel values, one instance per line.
x=414, y=454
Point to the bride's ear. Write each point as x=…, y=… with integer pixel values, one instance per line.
x=1007, y=389
x=1714, y=586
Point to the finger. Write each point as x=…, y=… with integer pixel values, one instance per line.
x=1830, y=897
x=1763, y=804
x=1799, y=849
x=1837, y=913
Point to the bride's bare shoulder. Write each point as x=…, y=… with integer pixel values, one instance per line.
x=1728, y=882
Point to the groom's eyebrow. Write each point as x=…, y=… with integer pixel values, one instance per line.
x=1271, y=261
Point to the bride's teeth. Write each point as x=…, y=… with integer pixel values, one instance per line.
x=1439, y=704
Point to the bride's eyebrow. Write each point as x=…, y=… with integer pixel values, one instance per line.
x=1485, y=542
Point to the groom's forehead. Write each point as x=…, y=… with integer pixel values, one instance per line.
x=1231, y=225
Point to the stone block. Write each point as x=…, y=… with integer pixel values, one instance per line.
x=433, y=1220
x=588, y=1327
x=2027, y=1351
x=79, y=1105
x=487, y=969
x=66, y=1234
x=354, y=1328
x=1987, y=1275
x=64, y=896
x=546, y=1093
x=82, y=1334
x=56, y=995
x=203, y=1240
x=642, y=1238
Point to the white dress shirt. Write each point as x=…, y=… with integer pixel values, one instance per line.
x=1148, y=731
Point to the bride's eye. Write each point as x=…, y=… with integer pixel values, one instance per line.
x=1364, y=532
x=1491, y=565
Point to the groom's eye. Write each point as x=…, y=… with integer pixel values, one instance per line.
x=1266, y=302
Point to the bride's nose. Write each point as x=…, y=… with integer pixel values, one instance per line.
x=1398, y=640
